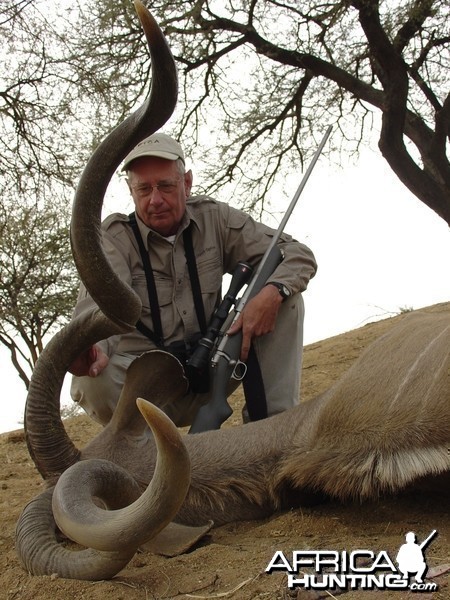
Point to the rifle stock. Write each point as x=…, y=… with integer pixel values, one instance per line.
x=217, y=410
x=226, y=357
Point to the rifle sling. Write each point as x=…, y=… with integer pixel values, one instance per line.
x=253, y=384
x=195, y=281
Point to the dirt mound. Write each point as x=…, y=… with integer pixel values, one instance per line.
x=230, y=563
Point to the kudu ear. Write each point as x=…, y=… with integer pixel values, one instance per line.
x=176, y=539
x=156, y=376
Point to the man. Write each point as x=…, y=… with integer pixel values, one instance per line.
x=410, y=558
x=187, y=284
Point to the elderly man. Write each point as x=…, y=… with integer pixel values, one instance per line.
x=173, y=251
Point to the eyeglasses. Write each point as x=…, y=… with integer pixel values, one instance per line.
x=166, y=187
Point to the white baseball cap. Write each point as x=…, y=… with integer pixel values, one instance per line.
x=158, y=144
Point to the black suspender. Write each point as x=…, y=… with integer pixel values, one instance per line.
x=195, y=282
x=157, y=336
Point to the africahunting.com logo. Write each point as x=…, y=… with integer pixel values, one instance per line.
x=358, y=569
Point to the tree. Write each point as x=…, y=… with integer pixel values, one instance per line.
x=54, y=107
x=33, y=104
x=264, y=78
x=52, y=113
x=261, y=78
x=38, y=280
x=313, y=63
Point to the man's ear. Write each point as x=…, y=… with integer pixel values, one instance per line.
x=188, y=178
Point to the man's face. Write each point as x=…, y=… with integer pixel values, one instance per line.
x=159, y=192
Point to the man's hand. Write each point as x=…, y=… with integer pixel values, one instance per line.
x=92, y=362
x=258, y=317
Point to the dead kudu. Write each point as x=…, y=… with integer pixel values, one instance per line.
x=383, y=427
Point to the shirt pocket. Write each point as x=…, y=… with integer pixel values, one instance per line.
x=210, y=272
x=164, y=290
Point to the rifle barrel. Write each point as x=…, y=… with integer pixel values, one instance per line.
x=287, y=214
x=428, y=539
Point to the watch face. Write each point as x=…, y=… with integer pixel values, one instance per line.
x=284, y=291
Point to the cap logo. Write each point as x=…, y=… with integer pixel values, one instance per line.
x=168, y=148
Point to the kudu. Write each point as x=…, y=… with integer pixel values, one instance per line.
x=384, y=426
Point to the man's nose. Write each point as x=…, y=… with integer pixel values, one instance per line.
x=155, y=196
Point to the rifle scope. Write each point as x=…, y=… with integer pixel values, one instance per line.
x=200, y=356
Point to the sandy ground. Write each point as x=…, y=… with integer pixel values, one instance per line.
x=231, y=561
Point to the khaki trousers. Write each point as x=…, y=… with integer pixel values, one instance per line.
x=279, y=354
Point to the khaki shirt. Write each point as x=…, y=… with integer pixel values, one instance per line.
x=222, y=236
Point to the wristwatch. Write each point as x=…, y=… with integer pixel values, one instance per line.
x=282, y=289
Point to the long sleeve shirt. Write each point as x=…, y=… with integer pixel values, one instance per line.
x=222, y=236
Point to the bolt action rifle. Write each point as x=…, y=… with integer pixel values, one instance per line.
x=226, y=349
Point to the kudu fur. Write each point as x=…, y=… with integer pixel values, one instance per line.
x=382, y=427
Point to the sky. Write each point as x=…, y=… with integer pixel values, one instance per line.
x=379, y=250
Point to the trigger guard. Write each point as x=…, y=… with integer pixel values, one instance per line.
x=240, y=366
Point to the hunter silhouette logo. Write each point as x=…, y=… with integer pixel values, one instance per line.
x=410, y=557
x=358, y=569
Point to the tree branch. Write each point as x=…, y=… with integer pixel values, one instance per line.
x=418, y=13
